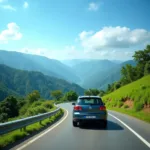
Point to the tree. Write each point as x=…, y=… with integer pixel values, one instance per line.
x=94, y=92
x=101, y=93
x=71, y=96
x=108, y=88
x=8, y=108
x=147, y=68
x=142, y=56
x=34, y=96
x=128, y=74
x=117, y=85
x=57, y=94
x=87, y=92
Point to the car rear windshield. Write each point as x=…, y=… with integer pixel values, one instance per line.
x=89, y=101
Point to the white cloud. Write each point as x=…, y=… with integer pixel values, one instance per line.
x=9, y=7
x=93, y=6
x=113, y=37
x=25, y=5
x=11, y=33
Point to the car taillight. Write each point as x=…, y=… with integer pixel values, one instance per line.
x=77, y=107
x=102, y=108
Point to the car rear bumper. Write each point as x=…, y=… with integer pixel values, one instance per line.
x=89, y=116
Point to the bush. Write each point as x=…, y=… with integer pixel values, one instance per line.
x=48, y=105
x=138, y=106
x=143, y=87
x=23, y=110
x=113, y=104
x=36, y=103
x=35, y=111
x=125, y=106
x=3, y=117
x=119, y=104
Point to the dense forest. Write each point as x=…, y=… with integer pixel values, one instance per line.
x=20, y=83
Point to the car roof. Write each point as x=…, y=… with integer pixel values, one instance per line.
x=90, y=96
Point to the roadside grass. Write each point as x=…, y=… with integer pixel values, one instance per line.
x=140, y=115
x=16, y=135
x=138, y=92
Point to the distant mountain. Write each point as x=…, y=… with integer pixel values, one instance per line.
x=42, y=64
x=73, y=62
x=101, y=79
x=19, y=82
x=88, y=68
x=117, y=61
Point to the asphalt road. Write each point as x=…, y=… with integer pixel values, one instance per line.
x=91, y=137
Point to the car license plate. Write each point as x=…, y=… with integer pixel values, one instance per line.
x=90, y=117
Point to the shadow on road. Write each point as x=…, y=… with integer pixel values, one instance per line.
x=99, y=126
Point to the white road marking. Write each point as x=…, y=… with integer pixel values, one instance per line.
x=135, y=133
x=42, y=134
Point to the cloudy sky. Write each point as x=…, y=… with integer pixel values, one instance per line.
x=67, y=29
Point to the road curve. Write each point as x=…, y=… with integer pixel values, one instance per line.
x=92, y=137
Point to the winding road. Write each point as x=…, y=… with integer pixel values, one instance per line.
x=123, y=133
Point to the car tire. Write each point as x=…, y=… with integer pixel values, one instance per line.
x=105, y=124
x=74, y=123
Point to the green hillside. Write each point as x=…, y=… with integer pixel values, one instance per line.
x=50, y=67
x=19, y=82
x=134, y=97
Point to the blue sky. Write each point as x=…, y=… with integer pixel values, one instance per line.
x=67, y=29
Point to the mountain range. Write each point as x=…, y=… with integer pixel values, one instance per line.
x=20, y=83
x=87, y=73
x=42, y=64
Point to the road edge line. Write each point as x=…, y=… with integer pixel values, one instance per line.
x=134, y=132
x=45, y=132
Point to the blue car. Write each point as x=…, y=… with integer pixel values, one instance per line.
x=89, y=108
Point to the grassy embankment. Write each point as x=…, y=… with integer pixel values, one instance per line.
x=132, y=99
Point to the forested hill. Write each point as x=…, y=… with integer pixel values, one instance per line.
x=50, y=67
x=19, y=82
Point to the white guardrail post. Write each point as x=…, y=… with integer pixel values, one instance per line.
x=22, y=123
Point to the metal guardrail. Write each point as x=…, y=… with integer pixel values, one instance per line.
x=22, y=123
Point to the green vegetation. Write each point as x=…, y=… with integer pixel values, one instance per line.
x=50, y=67
x=94, y=92
x=131, y=94
x=21, y=83
x=12, y=108
x=68, y=97
x=17, y=134
x=57, y=94
x=136, y=91
x=140, y=115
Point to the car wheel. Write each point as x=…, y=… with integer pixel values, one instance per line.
x=74, y=123
x=105, y=124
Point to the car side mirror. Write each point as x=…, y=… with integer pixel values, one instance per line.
x=73, y=103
